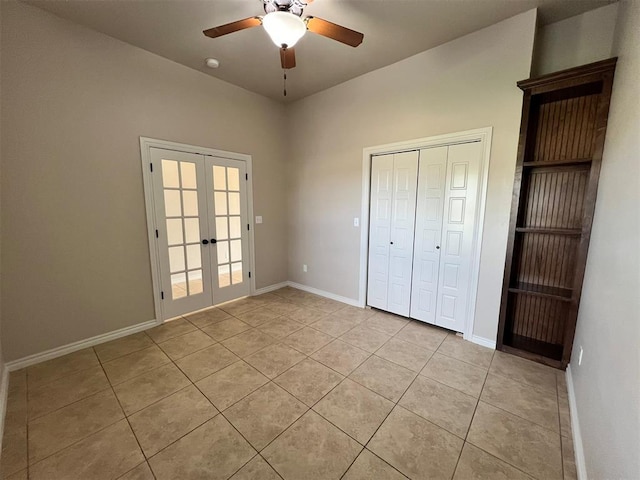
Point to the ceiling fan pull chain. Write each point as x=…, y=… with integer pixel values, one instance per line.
x=284, y=72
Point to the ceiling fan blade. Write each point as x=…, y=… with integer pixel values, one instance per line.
x=232, y=27
x=287, y=58
x=334, y=31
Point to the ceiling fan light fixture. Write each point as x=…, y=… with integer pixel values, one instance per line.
x=284, y=28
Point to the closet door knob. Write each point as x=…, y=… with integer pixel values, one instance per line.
x=213, y=240
x=437, y=247
x=391, y=243
x=205, y=242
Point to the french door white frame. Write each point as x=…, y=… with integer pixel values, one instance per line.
x=478, y=135
x=145, y=156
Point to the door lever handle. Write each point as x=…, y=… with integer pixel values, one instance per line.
x=205, y=242
x=213, y=240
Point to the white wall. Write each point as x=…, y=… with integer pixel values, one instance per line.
x=607, y=384
x=577, y=40
x=465, y=84
x=75, y=257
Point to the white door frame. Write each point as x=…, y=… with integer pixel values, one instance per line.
x=482, y=135
x=145, y=156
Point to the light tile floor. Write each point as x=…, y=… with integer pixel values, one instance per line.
x=288, y=385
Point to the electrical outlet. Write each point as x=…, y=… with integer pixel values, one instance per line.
x=580, y=356
x=304, y=267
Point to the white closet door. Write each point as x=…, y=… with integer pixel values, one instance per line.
x=380, y=230
x=426, y=265
x=461, y=196
x=403, y=215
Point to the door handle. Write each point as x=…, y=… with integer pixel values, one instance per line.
x=213, y=240
x=205, y=241
x=437, y=247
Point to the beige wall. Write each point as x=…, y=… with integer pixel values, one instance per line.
x=75, y=257
x=578, y=40
x=607, y=384
x=465, y=84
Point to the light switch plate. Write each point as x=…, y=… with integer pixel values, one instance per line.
x=356, y=222
x=259, y=219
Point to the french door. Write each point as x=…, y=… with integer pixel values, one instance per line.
x=201, y=218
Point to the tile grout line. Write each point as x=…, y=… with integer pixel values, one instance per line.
x=125, y=416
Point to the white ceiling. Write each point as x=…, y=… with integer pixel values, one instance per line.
x=393, y=30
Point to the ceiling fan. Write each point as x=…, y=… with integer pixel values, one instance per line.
x=284, y=24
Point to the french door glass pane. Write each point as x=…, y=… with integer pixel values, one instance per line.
x=178, y=286
x=235, y=230
x=174, y=231
x=194, y=256
x=192, y=230
x=221, y=228
x=170, y=177
x=220, y=199
x=236, y=250
x=234, y=203
x=223, y=276
x=172, y=204
x=219, y=180
x=190, y=203
x=188, y=172
x=195, y=282
x=234, y=179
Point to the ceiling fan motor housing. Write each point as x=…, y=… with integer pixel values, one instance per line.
x=295, y=7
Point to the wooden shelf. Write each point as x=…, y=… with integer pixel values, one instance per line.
x=557, y=293
x=558, y=163
x=564, y=119
x=551, y=231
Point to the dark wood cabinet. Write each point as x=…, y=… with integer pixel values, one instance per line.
x=564, y=120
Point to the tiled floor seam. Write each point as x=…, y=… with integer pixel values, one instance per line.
x=65, y=375
x=267, y=462
x=30, y=420
x=558, y=433
x=125, y=416
x=461, y=360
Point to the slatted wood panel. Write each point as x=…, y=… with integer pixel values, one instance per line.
x=540, y=320
x=547, y=260
x=566, y=129
x=554, y=198
x=561, y=141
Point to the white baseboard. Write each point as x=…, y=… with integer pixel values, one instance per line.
x=271, y=288
x=578, y=448
x=322, y=293
x=4, y=394
x=485, y=342
x=75, y=346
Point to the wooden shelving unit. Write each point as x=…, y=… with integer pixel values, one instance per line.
x=562, y=133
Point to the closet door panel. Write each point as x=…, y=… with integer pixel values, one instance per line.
x=380, y=230
x=459, y=217
x=405, y=179
x=428, y=231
